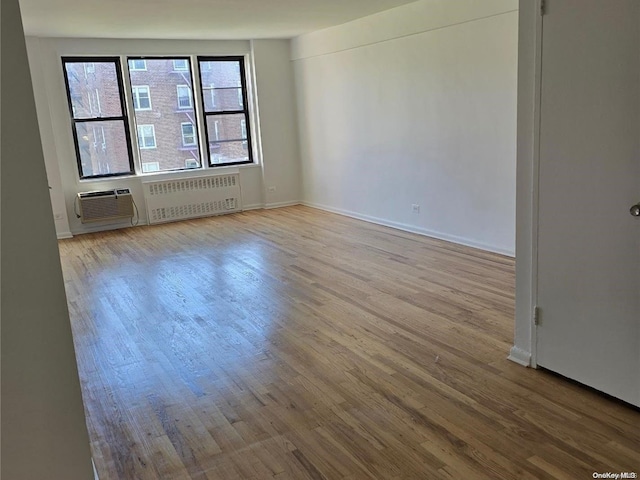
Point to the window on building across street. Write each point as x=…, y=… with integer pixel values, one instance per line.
x=225, y=110
x=146, y=137
x=141, y=97
x=148, y=167
x=98, y=116
x=180, y=64
x=185, y=98
x=138, y=64
x=188, y=134
x=172, y=114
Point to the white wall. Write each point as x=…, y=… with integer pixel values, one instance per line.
x=279, y=159
x=44, y=435
x=415, y=105
x=278, y=126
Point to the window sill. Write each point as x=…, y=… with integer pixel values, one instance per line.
x=172, y=175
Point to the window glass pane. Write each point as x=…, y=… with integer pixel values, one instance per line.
x=226, y=127
x=222, y=87
x=228, y=152
x=163, y=101
x=227, y=138
x=103, y=147
x=93, y=88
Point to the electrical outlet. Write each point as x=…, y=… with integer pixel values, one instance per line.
x=415, y=208
x=272, y=189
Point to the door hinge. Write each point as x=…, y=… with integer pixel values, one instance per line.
x=536, y=316
x=543, y=7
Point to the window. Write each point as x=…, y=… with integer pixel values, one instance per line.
x=225, y=110
x=146, y=136
x=141, y=97
x=181, y=64
x=148, y=167
x=137, y=64
x=166, y=128
x=99, y=122
x=174, y=121
x=188, y=134
x=184, y=97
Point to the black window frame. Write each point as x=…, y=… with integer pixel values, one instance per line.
x=123, y=107
x=245, y=107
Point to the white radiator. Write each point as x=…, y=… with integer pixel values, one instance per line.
x=172, y=200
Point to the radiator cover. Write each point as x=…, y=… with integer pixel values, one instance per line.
x=172, y=200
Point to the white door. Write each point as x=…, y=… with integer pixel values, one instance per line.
x=588, y=242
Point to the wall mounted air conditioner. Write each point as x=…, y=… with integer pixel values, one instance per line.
x=105, y=205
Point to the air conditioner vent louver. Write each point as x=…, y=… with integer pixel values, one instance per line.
x=173, y=200
x=105, y=205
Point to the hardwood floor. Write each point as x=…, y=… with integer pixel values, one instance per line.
x=298, y=344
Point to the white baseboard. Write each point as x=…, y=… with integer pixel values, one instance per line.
x=63, y=235
x=105, y=228
x=413, y=229
x=281, y=204
x=520, y=356
x=255, y=206
x=267, y=206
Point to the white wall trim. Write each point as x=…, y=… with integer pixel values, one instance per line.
x=105, y=228
x=535, y=183
x=65, y=234
x=413, y=229
x=281, y=204
x=253, y=206
x=520, y=356
x=95, y=472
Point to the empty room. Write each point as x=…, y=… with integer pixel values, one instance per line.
x=364, y=239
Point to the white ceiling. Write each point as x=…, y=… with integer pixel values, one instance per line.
x=192, y=19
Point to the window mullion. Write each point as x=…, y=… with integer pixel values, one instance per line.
x=129, y=105
x=203, y=145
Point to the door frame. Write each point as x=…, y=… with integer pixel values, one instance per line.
x=530, y=35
